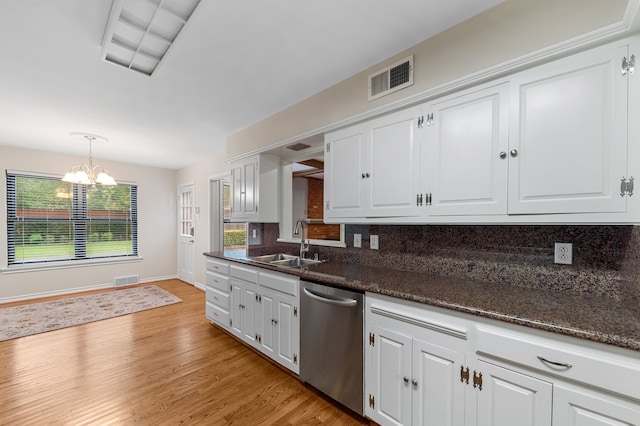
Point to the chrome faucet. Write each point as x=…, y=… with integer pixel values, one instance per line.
x=304, y=248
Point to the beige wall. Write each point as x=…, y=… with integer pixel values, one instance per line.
x=199, y=174
x=504, y=33
x=157, y=242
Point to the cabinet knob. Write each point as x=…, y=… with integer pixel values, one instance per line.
x=367, y=174
x=363, y=176
x=406, y=379
x=414, y=382
x=503, y=155
x=514, y=152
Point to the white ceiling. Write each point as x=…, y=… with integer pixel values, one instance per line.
x=235, y=63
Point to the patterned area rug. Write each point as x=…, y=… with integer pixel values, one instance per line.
x=34, y=318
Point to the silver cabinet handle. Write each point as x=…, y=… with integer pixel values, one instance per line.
x=406, y=379
x=367, y=175
x=363, y=176
x=514, y=152
x=503, y=155
x=414, y=382
x=555, y=363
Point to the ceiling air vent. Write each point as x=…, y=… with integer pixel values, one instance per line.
x=392, y=78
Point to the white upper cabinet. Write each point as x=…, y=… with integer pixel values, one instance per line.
x=550, y=144
x=372, y=169
x=255, y=183
x=464, y=143
x=568, y=141
x=343, y=185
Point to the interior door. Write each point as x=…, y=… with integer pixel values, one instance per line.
x=186, y=246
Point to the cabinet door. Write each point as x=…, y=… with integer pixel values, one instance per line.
x=509, y=398
x=569, y=135
x=236, y=306
x=267, y=337
x=287, y=332
x=237, y=190
x=582, y=407
x=343, y=181
x=245, y=310
x=250, y=172
x=438, y=393
x=251, y=316
x=391, y=165
x=462, y=145
x=389, y=379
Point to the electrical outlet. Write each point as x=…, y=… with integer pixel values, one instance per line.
x=373, y=242
x=357, y=240
x=564, y=253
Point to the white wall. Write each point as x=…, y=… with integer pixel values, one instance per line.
x=511, y=30
x=199, y=174
x=157, y=225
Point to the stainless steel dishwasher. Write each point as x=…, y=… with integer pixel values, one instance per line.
x=331, y=342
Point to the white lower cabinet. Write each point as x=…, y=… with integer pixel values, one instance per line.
x=218, y=292
x=412, y=366
x=261, y=309
x=574, y=406
x=244, y=307
x=426, y=366
x=280, y=328
x=509, y=398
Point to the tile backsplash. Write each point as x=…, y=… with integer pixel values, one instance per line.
x=606, y=259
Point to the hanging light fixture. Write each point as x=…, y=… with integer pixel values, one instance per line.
x=88, y=174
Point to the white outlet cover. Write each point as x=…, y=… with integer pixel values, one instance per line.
x=373, y=242
x=357, y=240
x=563, y=253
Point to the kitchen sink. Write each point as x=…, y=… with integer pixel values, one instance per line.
x=284, y=260
x=295, y=263
x=269, y=258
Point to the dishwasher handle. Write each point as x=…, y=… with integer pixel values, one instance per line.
x=336, y=302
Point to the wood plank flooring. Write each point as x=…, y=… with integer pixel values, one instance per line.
x=165, y=366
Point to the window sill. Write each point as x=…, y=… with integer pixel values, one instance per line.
x=326, y=243
x=16, y=269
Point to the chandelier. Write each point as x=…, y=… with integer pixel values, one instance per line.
x=88, y=174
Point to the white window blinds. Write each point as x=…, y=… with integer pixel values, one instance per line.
x=52, y=221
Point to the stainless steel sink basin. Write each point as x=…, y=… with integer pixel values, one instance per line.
x=294, y=263
x=284, y=260
x=269, y=258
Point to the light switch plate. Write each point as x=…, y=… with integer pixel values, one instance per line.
x=373, y=242
x=357, y=240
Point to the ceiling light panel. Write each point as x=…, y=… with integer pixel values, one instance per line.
x=140, y=33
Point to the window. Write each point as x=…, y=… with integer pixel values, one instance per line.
x=52, y=221
x=235, y=234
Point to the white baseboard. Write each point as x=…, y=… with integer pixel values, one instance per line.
x=55, y=293
x=62, y=292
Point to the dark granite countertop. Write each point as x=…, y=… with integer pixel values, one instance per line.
x=595, y=318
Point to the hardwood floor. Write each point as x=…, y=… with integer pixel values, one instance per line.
x=162, y=366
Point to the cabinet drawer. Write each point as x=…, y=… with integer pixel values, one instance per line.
x=614, y=372
x=244, y=273
x=217, y=281
x=217, y=314
x=215, y=265
x=280, y=282
x=219, y=298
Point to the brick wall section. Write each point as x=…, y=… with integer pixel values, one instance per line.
x=315, y=203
